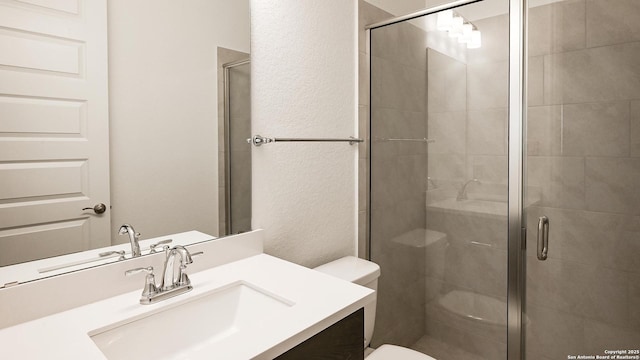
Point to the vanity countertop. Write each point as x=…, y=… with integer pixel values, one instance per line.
x=318, y=301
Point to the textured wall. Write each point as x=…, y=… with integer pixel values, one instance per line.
x=397, y=8
x=303, y=85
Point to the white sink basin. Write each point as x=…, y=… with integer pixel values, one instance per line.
x=184, y=329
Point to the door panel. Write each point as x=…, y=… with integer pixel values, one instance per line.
x=583, y=175
x=438, y=182
x=54, y=127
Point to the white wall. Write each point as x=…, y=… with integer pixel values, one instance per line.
x=400, y=7
x=304, y=56
x=164, y=110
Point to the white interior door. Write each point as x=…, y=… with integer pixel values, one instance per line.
x=54, y=155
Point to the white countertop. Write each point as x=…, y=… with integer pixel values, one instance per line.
x=319, y=301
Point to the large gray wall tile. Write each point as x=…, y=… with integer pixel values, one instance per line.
x=480, y=345
x=480, y=268
x=592, y=238
x=490, y=170
x=544, y=130
x=557, y=27
x=596, y=74
x=596, y=129
x=449, y=167
x=404, y=43
x=447, y=83
x=535, y=84
x=612, y=22
x=487, y=131
x=463, y=229
x=601, y=336
x=553, y=333
x=579, y=289
x=448, y=130
x=487, y=85
x=398, y=87
x=612, y=185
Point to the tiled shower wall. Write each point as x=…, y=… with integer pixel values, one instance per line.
x=584, y=157
x=583, y=172
x=583, y=169
x=398, y=67
x=467, y=262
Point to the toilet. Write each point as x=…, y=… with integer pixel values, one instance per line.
x=366, y=273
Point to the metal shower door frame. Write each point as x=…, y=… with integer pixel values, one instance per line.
x=226, y=72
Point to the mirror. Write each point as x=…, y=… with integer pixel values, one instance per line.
x=114, y=112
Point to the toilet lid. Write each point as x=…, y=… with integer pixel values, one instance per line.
x=393, y=352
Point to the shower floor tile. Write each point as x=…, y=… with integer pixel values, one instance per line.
x=442, y=351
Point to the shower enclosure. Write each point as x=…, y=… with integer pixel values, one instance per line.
x=504, y=167
x=237, y=152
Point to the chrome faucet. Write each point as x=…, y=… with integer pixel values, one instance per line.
x=462, y=194
x=133, y=239
x=175, y=276
x=174, y=279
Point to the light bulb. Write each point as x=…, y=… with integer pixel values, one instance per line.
x=476, y=40
x=456, y=27
x=467, y=30
x=445, y=20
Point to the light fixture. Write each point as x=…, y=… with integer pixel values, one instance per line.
x=467, y=29
x=456, y=27
x=445, y=20
x=459, y=28
x=476, y=40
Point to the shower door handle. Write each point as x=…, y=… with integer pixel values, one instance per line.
x=543, y=237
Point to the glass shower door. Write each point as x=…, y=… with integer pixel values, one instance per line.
x=439, y=175
x=582, y=179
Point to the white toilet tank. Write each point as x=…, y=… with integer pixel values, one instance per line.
x=361, y=272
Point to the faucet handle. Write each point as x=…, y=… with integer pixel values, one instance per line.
x=150, y=288
x=148, y=270
x=109, y=253
x=183, y=279
x=153, y=247
x=189, y=256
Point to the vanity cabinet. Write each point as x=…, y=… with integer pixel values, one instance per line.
x=343, y=340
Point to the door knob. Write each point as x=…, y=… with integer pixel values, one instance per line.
x=98, y=209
